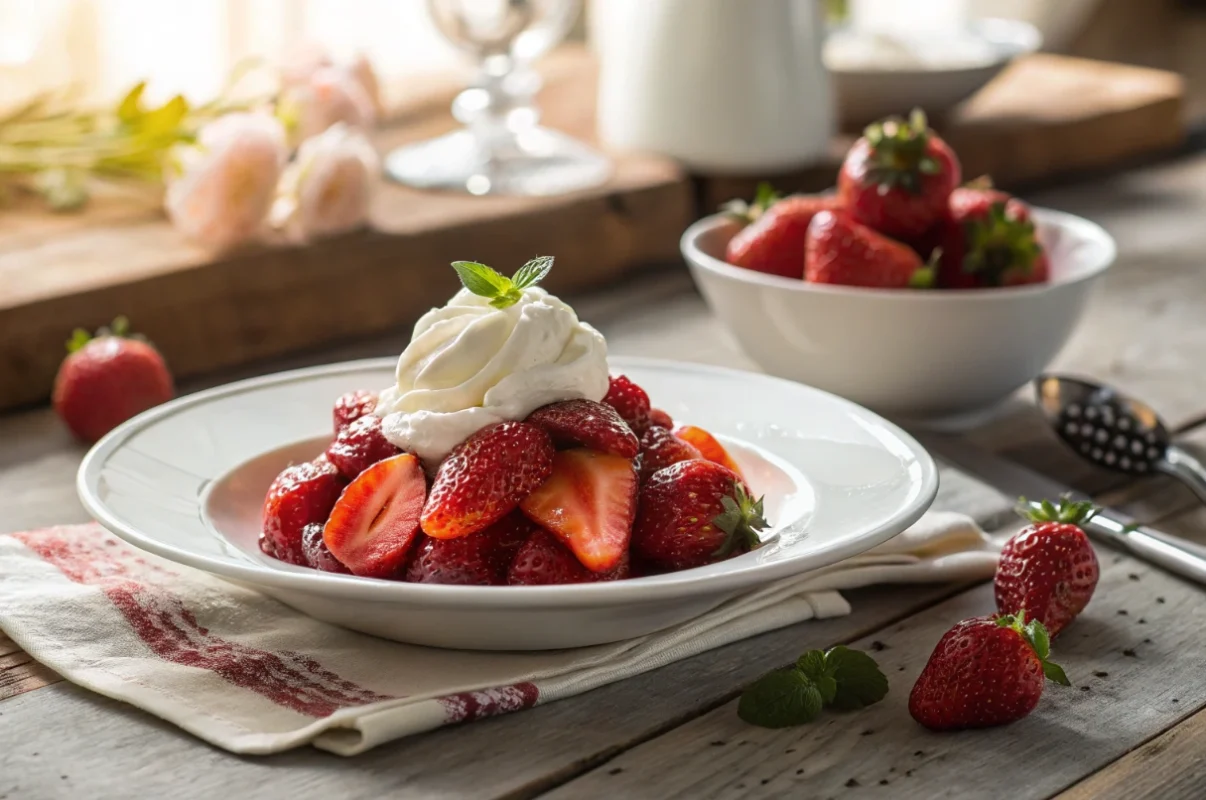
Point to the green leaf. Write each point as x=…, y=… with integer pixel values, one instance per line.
x=532, y=272
x=130, y=107
x=859, y=680
x=79, y=338
x=1039, y=638
x=813, y=665
x=481, y=280
x=780, y=699
x=1055, y=672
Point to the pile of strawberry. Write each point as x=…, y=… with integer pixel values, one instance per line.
x=899, y=219
x=578, y=492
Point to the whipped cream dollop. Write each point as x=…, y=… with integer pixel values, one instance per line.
x=470, y=365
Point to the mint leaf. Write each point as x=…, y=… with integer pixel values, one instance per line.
x=532, y=272
x=813, y=665
x=780, y=699
x=481, y=280
x=859, y=681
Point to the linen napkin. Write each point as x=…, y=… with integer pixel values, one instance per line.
x=248, y=674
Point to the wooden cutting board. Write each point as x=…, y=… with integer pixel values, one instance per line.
x=1045, y=116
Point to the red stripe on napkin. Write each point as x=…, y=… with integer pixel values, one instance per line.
x=469, y=706
x=90, y=556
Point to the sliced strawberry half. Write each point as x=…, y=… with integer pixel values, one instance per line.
x=589, y=502
x=708, y=446
x=543, y=560
x=586, y=423
x=375, y=522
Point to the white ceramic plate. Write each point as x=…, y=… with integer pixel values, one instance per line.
x=186, y=481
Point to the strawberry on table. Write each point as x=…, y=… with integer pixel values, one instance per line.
x=107, y=379
x=1048, y=568
x=543, y=560
x=479, y=559
x=898, y=176
x=375, y=522
x=694, y=513
x=359, y=445
x=316, y=553
x=773, y=241
x=707, y=445
x=588, y=424
x=660, y=448
x=988, y=239
x=302, y=494
x=589, y=502
x=484, y=478
x=841, y=251
x=352, y=406
x=630, y=401
x=984, y=671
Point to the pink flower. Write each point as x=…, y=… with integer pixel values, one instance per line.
x=329, y=95
x=328, y=187
x=220, y=189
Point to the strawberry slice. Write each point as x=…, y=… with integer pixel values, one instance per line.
x=586, y=423
x=630, y=401
x=479, y=559
x=543, y=561
x=300, y=495
x=376, y=520
x=360, y=445
x=589, y=502
x=484, y=478
x=660, y=448
x=708, y=446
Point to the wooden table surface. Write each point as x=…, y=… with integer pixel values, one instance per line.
x=1133, y=726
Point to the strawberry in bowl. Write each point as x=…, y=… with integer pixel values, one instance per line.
x=544, y=485
x=909, y=292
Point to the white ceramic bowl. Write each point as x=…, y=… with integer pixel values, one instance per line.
x=186, y=481
x=865, y=95
x=937, y=356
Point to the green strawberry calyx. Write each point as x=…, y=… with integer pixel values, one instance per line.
x=119, y=329
x=926, y=276
x=498, y=288
x=741, y=520
x=764, y=197
x=1034, y=633
x=900, y=153
x=1000, y=245
x=1066, y=512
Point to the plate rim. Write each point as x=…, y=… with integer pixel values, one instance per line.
x=671, y=586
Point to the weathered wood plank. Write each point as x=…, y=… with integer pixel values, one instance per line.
x=1134, y=657
x=1170, y=767
x=19, y=673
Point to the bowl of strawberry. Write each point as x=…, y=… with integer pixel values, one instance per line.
x=907, y=289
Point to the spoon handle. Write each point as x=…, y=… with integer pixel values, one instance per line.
x=1185, y=467
x=1178, y=559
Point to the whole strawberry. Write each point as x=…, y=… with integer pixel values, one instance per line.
x=107, y=379
x=1048, y=569
x=479, y=559
x=484, y=478
x=352, y=406
x=543, y=560
x=694, y=513
x=984, y=671
x=359, y=445
x=898, y=176
x=587, y=423
x=841, y=251
x=773, y=241
x=630, y=402
x=660, y=448
x=988, y=239
x=303, y=494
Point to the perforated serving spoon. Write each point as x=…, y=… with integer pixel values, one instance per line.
x=1115, y=431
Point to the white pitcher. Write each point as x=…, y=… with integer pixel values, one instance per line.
x=732, y=86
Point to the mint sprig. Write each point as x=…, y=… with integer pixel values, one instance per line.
x=780, y=699
x=842, y=678
x=502, y=291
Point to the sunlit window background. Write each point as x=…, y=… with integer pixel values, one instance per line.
x=102, y=47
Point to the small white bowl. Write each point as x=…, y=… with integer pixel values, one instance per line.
x=867, y=94
x=941, y=356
